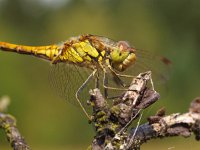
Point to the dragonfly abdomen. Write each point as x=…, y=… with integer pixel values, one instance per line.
x=46, y=52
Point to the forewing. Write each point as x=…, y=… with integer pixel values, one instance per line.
x=147, y=61
x=65, y=79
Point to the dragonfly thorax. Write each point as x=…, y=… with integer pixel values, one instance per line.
x=93, y=51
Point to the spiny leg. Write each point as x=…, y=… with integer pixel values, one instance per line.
x=117, y=79
x=97, y=80
x=111, y=88
x=81, y=89
x=151, y=81
x=105, y=83
x=106, y=87
x=120, y=75
x=117, y=75
x=127, y=76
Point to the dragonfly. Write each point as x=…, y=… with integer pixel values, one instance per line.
x=98, y=54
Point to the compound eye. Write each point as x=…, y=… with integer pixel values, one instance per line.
x=124, y=46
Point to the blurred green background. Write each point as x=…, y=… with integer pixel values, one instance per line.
x=169, y=27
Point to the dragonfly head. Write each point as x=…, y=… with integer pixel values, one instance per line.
x=122, y=56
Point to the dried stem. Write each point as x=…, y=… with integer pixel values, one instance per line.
x=160, y=126
x=111, y=121
x=8, y=124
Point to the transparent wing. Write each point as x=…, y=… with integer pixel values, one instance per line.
x=147, y=61
x=65, y=79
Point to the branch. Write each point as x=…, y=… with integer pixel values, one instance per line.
x=160, y=126
x=112, y=121
x=8, y=124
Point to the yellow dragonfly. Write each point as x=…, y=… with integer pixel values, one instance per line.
x=98, y=54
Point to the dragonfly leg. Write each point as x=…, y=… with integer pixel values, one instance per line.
x=80, y=89
x=97, y=80
x=120, y=75
x=111, y=88
x=105, y=83
x=130, y=76
x=106, y=88
x=151, y=81
x=117, y=79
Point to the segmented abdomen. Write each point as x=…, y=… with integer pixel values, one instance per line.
x=46, y=52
